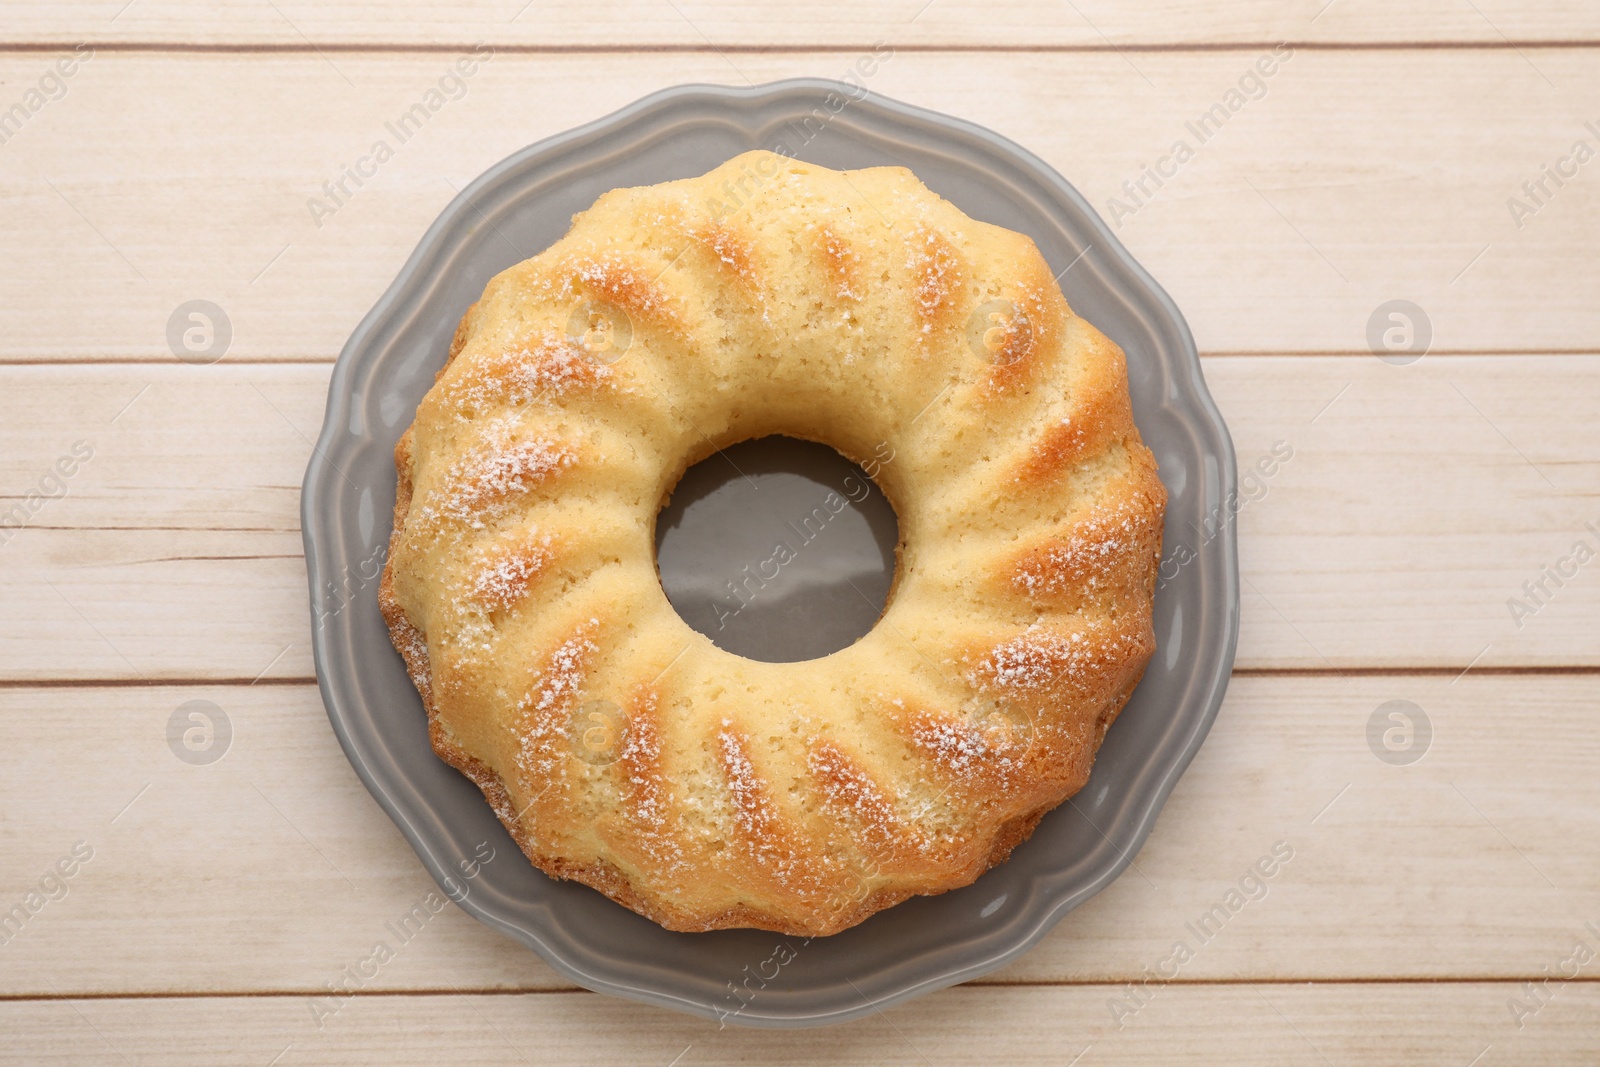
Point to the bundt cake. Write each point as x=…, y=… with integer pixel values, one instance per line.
x=625, y=750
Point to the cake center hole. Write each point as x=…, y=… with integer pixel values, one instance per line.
x=777, y=549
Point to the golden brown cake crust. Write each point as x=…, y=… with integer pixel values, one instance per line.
x=627, y=752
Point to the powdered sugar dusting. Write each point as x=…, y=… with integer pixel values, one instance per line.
x=750, y=808
x=548, y=368
x=614, y=278
x=641, y=761
x=844, y=261
x=1089, y=554
x=954, y=743
x=937, y=269
x=1036, y=659
x=502, y=577
x=1045, y=660
x=763, y=830
x=733, y=252
x=478, y=485
x=1059, y=446
x=648, y=792
x=848, y=789
x=563, y=678
x=545, y=710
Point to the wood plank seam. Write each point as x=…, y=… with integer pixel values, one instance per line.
x=199, y=680
x=979, y=983
x=328, y=360
x=435, y=48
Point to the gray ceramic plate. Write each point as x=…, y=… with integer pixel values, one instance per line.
x=514, y=211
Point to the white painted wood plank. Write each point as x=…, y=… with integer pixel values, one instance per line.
x=1356, y=178
x=617, y=24
x=1399, y=1024
x=271, y=869
x=1418, y=508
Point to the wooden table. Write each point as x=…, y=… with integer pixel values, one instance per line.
x=158, y=560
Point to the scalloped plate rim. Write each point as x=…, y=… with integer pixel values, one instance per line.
x=1192, y=406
